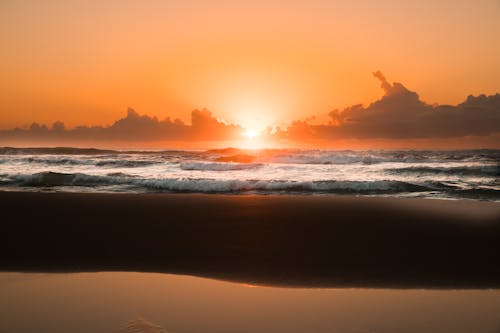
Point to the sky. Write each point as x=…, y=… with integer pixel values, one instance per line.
x=253, y=64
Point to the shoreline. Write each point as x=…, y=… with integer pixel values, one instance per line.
x=283, y=240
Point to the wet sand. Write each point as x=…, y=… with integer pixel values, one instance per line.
x=317, y=241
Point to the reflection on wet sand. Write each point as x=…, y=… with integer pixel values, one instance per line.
x=153, y=303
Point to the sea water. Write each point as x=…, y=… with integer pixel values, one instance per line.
x=456, y=174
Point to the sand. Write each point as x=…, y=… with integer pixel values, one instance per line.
x=313, y=241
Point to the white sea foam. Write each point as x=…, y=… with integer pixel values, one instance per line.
x=218, y=166
x=472, y=174
x=207, y=185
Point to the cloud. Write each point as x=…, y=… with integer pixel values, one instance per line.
x=400, y=114
x=205, y=127
x=141, y=127
x=384, y=84
x=133, y=127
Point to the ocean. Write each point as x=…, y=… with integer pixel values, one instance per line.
x=453, y=174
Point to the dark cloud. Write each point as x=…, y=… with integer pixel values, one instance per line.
x=384, y=84
x=400, y=114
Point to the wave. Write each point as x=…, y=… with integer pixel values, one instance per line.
x=207, y=185
x=207, y=166
x=120, y=174
x=375, y=157
x=55, y=161
x=296, y=156
x=282, y=156
x=323, y=159
x=50, y=179
x=89, y=151
x=481, y=171
x=55, y=151
x=125, y=163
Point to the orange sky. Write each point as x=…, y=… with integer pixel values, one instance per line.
x=255, y=63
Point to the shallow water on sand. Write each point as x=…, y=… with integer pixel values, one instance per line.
x=143, y=302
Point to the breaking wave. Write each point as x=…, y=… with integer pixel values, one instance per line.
x=322, y=159
x=55, y=161
x=49, y=179
x=481, y=171
x=109, y=162
x=207, y=185
x=206, y=166
x=125, y=163
x=54, y=151
x=375, y=157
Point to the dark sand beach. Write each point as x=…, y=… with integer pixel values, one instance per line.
x=317, y=241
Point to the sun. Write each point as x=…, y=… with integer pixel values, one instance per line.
x=251, y=139
x=251, y=134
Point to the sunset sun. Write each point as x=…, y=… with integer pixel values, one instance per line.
x=251, y=134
